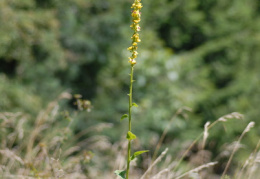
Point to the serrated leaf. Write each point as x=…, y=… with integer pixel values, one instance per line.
x=130, y=136
x=120, y=173
x=124, y=116
x=138, y=153
x=134, y=104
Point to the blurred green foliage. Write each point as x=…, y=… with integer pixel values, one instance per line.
x=201, y=54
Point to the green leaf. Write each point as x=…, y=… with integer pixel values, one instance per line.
x=120, y=173
x=135, y=105
x=138, y=153
x=124, y=116
x=130, y=136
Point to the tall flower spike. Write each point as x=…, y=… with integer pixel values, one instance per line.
x=136, y=18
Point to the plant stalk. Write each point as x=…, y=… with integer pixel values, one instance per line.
x=129, y=119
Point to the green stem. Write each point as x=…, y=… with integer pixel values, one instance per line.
x=129, y=118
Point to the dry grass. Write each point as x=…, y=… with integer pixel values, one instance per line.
x=47, y=148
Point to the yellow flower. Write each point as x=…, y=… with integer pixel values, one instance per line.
x=135, y=27
x=135, y=35
x=135, y=38
x=138, y=6
x=136, y=20
x=130, y=48
x=134, y=55
x=135, y=14
x=132, y=61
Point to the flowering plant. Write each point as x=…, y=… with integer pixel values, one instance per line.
x=136, y=18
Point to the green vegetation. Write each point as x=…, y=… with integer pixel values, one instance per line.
x=199, y=55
